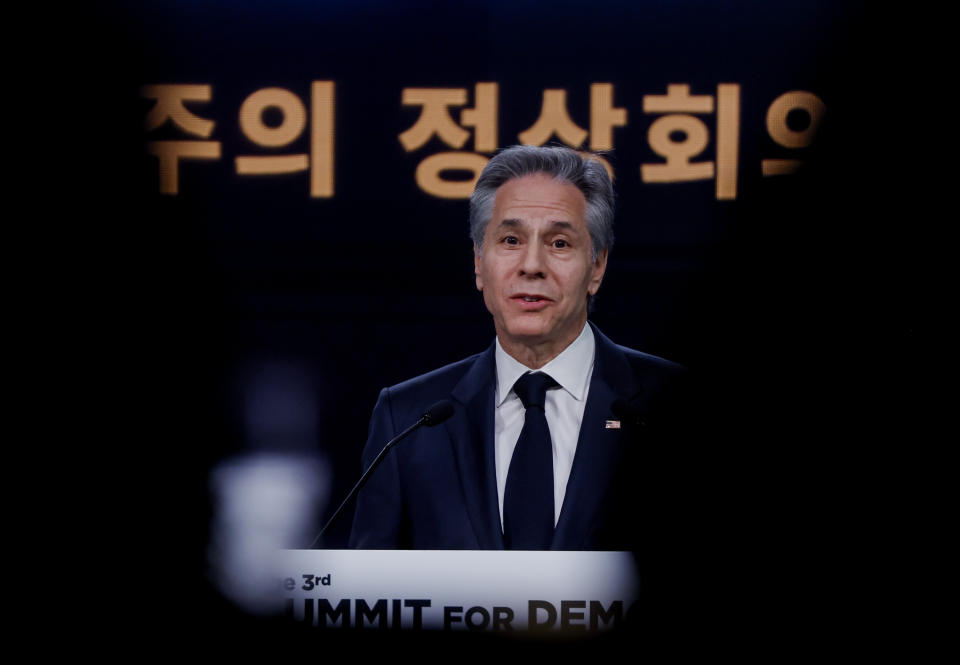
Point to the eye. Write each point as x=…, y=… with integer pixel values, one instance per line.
x=560, y=244
x=511, y=240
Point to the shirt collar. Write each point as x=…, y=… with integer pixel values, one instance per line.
x=571, y=369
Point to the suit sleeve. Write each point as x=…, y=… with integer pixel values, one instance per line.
x=378, y=518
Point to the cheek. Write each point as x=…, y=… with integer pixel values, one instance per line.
x=575, y=280
x=490, y=301
x=493, y=278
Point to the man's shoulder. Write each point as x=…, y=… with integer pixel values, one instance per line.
x=649, y=362
x=657, y=376
x=443, y=377
x=641, y=362
x=659, y=386
x=420, y=392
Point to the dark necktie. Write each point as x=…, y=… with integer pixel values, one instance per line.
x=528, y=498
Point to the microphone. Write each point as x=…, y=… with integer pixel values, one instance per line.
x=436, y=414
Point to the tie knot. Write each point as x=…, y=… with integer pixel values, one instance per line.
x=532, y=388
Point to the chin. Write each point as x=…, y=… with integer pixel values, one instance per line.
x=528, y=330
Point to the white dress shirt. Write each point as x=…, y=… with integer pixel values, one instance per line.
x=572, y=369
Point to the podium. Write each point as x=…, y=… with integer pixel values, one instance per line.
x=465, y=590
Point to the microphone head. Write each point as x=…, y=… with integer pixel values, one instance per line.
x=437, y=413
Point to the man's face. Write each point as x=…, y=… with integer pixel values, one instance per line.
x=535, y=268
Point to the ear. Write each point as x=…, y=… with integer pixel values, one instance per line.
x=476, y=267
x=598, y=269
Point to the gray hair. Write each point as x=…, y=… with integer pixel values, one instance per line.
x=565, y=164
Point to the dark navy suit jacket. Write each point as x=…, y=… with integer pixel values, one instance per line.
x=437, y=489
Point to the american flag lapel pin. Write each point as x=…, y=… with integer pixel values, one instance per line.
x=612, y=424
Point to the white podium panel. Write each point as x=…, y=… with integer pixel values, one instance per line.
x=459, y=590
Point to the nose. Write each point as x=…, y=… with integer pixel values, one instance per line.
x=533, y=261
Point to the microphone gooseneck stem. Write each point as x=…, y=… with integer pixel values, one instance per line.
x=366, y=474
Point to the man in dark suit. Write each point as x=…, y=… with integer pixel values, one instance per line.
x=536, y=454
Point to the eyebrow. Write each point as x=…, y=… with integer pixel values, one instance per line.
x=514, y=223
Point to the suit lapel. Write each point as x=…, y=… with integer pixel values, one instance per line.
x=598, y=448
x=471, y=432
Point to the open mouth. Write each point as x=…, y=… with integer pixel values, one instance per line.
x=527, y=300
